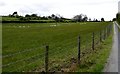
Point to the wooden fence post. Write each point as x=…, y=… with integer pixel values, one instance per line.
x=104, y=34
x=93, y=36
x=100, y=37
x=107, y=31
x=111, y=27
x=79, y=50
x=46, y=58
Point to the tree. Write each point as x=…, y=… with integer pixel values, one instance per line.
x=62, y=19
x=15, y=14
x=34, y=15
x=118, y=17
x=80, y=18
x=10, y=15
x=44, y=18
x=27, y=15
x=53, y=16
x=102, y=20
x=90, y=19
x=85, y=18
x=56, y=19
x=49, y=17
x=114, y=19
x=59, y=18
x=96, y=20
x=21, y=18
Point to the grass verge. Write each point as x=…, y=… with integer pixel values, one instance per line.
x=97, y=59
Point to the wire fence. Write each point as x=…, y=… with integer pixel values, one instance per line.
x=55, y=57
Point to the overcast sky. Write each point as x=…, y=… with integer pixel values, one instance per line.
x=67, y=8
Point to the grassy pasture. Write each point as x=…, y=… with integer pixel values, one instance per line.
x=5, y=18
x=0, y=46
x=27, y=42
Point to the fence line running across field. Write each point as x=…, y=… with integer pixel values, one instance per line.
x=21, y=60
x=20, y=52
x=25, y=50
x=40, y=55
x=76, y=47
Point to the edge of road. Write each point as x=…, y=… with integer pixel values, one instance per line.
x=118, y=48
x=112, y=62
x=117, y=25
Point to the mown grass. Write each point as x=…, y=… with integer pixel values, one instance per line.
x=62, y=39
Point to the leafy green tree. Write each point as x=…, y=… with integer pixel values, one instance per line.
x=49, y=17
x=34, y=15
x=102, y=20
x=80, y=18
x=85, y=18
x=53, y=16
x=117, y=18
x=96, y=20
x=114, y=19
x=15, y=14
x=27, y=15
x=90, y=19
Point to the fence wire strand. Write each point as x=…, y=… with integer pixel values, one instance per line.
x=66, y=49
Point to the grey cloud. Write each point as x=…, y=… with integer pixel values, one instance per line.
x=43, y=7
x=2, y=3
x=94, y=3
x=25, y=10
x=36, y=8
x=100, y=3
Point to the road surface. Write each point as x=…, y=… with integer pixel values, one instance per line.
x=113, y=62
x=119, y=50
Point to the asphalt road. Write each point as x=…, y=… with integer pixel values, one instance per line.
x=113, y=63
x=118, y=26
x=119, y=50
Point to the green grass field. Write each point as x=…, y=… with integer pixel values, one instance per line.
x=24, y=44
x=5, y=18
x=1, y=46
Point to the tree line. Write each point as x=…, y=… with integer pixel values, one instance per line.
x=56, y=18
x=117, y=18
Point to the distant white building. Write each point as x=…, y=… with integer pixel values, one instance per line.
x=119, y=7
